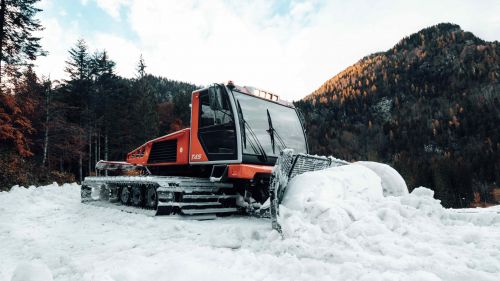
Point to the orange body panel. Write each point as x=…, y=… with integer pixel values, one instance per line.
x=140, y=155
x=247, y=171
x=190, y=150
x=197, y=154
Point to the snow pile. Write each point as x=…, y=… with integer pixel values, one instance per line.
x=356, y=223
x=339, y=224
x=325, y=199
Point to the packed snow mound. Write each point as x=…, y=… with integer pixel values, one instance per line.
x=352, y=233
x=334, y=197
x=327, y=187
x=323, y=201
x=393, y=183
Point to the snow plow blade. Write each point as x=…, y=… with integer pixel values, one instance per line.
x=288, y=166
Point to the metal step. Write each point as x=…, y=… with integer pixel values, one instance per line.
x=202, y=217
x=208, y=211
x=208, y=196
x=184, y=204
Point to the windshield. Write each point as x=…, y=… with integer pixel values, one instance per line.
x=285, y=123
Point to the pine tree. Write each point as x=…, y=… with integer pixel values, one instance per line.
x=17, y=25
x=141, y=67
x=80, y=94
x=79, y=63
x=64, y=141
x=104, y=87
x=145, y=108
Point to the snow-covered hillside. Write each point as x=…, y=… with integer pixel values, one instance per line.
x=339, y=224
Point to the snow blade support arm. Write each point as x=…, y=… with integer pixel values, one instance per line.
x=288, y=166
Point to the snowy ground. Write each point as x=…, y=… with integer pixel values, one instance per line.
x=353, y=231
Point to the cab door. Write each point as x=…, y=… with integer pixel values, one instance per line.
x=216, y=127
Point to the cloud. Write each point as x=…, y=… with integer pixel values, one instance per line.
x=120, y=50
x=288, y=47
x=212, y=41
x=57, y=39
x=112, y=7
x=301, y=9
x=291, y=52
x=44, y=4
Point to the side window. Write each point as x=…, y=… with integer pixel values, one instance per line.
x=216, y=130
x=215, y=108
x=207, y=116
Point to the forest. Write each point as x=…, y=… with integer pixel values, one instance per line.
x=54, y=130
x=58, y=130
x=429, y=106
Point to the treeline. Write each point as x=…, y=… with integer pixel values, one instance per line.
x=58, y=130
x=430, y=106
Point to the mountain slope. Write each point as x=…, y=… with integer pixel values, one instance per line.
x=429, y=106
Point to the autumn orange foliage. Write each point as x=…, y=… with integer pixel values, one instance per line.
x=14, y=125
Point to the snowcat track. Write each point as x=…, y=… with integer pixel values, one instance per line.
x=172, y=195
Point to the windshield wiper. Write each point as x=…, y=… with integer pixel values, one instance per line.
x=272, y=132
x=242, y=124
x=271, y=129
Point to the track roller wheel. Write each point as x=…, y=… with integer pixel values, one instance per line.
x=151, y=197
x=137, y=196
x=104, y=193
x=114, y=194
x=125, y=195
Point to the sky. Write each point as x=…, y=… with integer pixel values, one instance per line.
x=288, y=47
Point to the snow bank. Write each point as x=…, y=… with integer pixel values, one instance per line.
x=338, y=225
x=347, y=216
